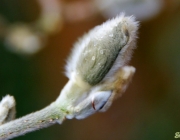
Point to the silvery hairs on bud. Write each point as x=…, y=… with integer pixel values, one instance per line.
x=103, y=50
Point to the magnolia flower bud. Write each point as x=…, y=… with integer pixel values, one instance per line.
x=96, y=67
x=103, y=50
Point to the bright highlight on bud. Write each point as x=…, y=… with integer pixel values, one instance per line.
x=97, y=68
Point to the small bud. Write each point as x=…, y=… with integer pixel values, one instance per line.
x=7, y=109
x=86, y=108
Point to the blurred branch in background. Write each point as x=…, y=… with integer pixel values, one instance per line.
x=50, y=19
x=30, y=38
x=142, y=9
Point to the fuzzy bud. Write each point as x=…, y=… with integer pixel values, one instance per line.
x=106, y=47
x=7, y=109
x=97, y=68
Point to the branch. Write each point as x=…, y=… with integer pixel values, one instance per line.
x=97, y=74
x=38, y=120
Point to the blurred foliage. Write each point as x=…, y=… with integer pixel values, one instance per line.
x=148, y=110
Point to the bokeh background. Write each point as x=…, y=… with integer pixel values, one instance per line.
x=36, y=37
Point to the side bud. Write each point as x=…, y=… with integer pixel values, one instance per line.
x=7, y=109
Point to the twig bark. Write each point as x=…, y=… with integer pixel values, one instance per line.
x=38, y=120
